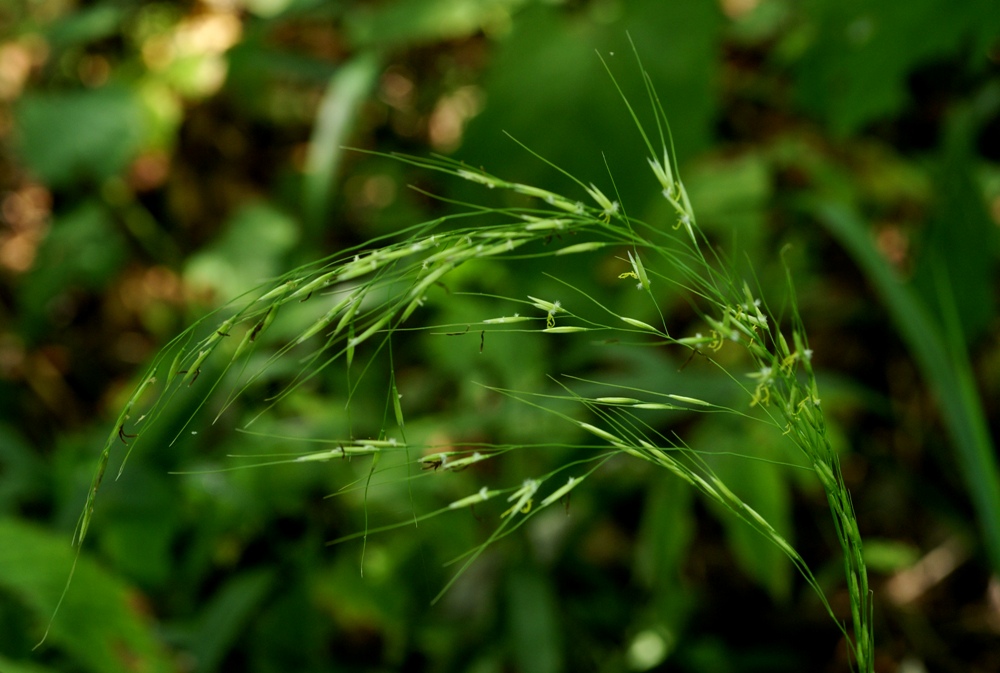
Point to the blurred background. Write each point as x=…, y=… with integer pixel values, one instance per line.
x=160, y=158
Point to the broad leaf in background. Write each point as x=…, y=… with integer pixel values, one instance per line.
x=79, y=135
x=534, y=622
x=10, y=666
x=347, y=91
x=101, y=624
x=960, y=239
x=940, y=351
x=249, y=251
x=757, y=477
x=22, y=472
x=83, y=252
x=547, y=88
x=854, y=70
x=421, y=21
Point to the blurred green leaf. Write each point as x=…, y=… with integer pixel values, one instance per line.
x=855, y=69
x=548, y=89
x=665, y=533
x=960, y=239
x=763, y=22
x=731, y=198
x=533, y=622
x=249, y=251
x=335, y=119
x=86, y=25
x=82, y=251
x=139, y=521
x=101, y=624
x=420, y=21
x=226, y=616
x=9, y=666
x=886, y=556
x=255, y=65
x=271, y=8
x=944, y=363
x=85, y=135
x=21, y=471
x=662, y=547
x=764, y=485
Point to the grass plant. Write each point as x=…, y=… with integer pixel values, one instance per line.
x=348, y=310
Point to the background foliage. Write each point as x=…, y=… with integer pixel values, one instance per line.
x=159, y=158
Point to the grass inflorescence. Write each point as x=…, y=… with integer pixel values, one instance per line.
x=358, y=300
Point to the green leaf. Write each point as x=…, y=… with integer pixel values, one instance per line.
x=85, y=25
x=21, y=471
x=101, y=624
x=140, y=520
x=960, y=240
x=888, y=556
x=78, y=135
x=855, y=69
x=346, y=92
x=249, y=251
x=226, y=616
x=83, y=250
x=548, y=89
x=765, y=487
x=533, y=622
x=665, y=533
x=420, y=21
x=943, y=360
x=731, y=197
x=8, y=666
